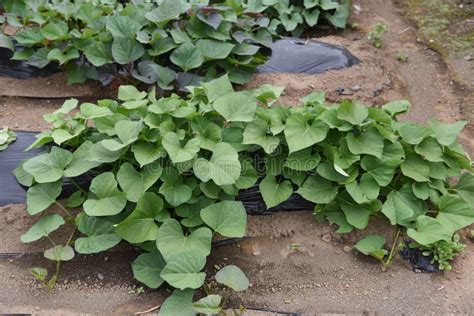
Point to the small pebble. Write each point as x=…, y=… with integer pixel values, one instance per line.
x=100, y=276
x=468, y=58
x=355, y=88
x=326, y=238
x=347, y=249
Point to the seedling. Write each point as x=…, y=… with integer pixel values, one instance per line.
x=401, y=57
x=375, y=36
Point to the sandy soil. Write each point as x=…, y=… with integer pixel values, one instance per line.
x=294, y=263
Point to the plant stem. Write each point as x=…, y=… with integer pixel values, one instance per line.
x=63, y=208
x=70, y=237
x=52, y=241
x=387, y=264
x=77, y=186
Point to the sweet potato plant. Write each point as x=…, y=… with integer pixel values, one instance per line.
x=165, y=173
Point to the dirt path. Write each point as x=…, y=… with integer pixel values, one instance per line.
x=294, y=263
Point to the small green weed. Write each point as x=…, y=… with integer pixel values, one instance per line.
x=375, y=36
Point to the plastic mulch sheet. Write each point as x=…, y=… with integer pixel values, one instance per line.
x=295, y=55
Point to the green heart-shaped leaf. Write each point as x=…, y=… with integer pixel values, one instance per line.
x=233, y=277
x=48, y=167
x=228, y=218
x=108, y=198
x=301, y=134
x=223, y=168
x=183, y=271
x=274, y=193
x=140, y=225
x=135, y=183
x=236, y=106
x=42, y=228
x=177, y=152
x=147, y=269
x=59, y=253
x=171, y=241
x=41, y=195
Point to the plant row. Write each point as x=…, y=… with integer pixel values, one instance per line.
x=166, y=172
x=171, y=43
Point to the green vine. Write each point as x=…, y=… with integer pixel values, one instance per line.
x=166, y=171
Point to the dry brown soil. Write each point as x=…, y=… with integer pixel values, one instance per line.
x=294, y=263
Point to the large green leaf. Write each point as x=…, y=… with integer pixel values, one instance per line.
x=416, y=168
x=454, y=213
x=90, y=111
x=446, y=134
x=63, y=57
x=167, y=10
x=146, y=153
x=428, y=231
x=147, y=269
x=274, y=192
x=413, y=133
x=6, y=42
x=223, y=167
x=303, y=160
x=126, y=51
x=187, y=57
x=183, y=271
x=430, y=150
x=369, y=142
x=381, y=172
x=233, y=277
x=41, y=195
x=255, y=133
x=401, y=206
x=43, y=228
x=365, y=190
x=176, y=193
x=236, y=106
x=176, y=151
x=135, y=183
x=300, y=133
x=171, y=241
x=465, y=188
x=352, y=112
x=212, y=49
x=318, y=190
x=59, y=253
x=122, y=26
x=372, y=245
x=140, y=225
x=396, y=107
x=48, y=167
x=107, y=199
x=130, y=93
x=55, y=31
x=99, y=54
x=358, y=214
x=208, y=305
x=208, y=133
x=100, y=235
x=79, y=164
x=227, y=218
x=218, y=87
x=179, y=303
